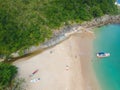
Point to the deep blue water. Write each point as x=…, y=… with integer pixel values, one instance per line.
x=118, y=1
x=108, y=69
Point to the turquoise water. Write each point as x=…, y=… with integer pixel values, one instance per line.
x=108, y=69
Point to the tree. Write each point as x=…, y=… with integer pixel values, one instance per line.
x=96, y=11
x=7, y=75
x=24, y=23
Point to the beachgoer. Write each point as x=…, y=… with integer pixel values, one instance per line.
x=51, y=51
x=34, y=72
x=67, y=67
x=75, y=56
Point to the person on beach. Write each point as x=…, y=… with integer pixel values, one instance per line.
x=34, y=72
x=67, y=67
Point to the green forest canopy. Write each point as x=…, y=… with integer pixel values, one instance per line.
x=24, y=23
x=7, y=75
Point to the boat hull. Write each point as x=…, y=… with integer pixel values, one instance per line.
x=103, y=55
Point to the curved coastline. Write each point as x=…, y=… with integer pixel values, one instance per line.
x=67, y=65
x=81, y=70
x=84, y=66
x=67, y=31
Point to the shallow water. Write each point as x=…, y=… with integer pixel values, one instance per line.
x=108, y=69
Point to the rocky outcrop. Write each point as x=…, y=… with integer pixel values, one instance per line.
x=67, y=31
x=107, y=19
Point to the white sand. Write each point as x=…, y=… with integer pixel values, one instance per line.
x=66, y=66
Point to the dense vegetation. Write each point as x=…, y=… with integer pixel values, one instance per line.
x=118, y=9
x=24, y=23
x=8, y=79
x=7, y=74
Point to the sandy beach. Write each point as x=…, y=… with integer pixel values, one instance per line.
x=66, y=66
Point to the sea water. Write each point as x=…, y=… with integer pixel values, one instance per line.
x=107, y=69
x=118, y=1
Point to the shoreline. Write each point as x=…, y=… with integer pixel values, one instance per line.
x=87, y=70
x=66, y=66
x=86, y=25
x=67, y=31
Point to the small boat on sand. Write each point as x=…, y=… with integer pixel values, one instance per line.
x=35, y=80
x=102, y=54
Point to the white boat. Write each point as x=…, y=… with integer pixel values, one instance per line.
x=103, y=54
